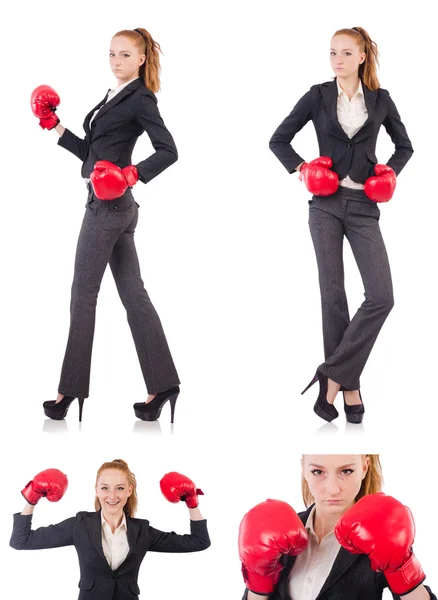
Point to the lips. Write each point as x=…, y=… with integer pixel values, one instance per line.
x=113, y=503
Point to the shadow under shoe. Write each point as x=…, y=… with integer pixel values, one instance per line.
x=151, y=411
x=58, y=411
x=322, y=407
x=355, y=412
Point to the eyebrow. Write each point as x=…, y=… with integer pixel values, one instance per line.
x=120, y=50
x=321, y=466
x=117, y=484
x=343, y=49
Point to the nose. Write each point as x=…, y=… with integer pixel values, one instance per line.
x=332, y=486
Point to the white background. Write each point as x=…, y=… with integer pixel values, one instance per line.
x=228, y=261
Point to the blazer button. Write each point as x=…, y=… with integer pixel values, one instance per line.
x=350, y=145
x=115, y=207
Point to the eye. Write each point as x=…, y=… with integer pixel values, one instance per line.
x=126, y=55
x=316, y=472
x=332, y=53
x=103, y=488
x=121, y=489
x=348, y=53
x=111, y=53
x=347, y=471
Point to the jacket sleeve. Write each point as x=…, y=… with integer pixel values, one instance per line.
x=53, y=536
x=74, y=144
x=397, y=132
x=165, y=154
x=280, y=142
x=197, y=540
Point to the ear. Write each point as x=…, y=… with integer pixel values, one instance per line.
x=366, y=464
x=362, y=58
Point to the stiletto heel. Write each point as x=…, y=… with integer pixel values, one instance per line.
x=58, y=411
x=81, y=406
x=314, y=380
x=355, y=412
x=322, y=407
x=151, y=411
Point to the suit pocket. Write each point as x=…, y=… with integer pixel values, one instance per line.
x=86, y=584
x=371, y=157
x=134, y=588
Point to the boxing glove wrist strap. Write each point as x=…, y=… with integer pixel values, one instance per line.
x=30, y=495
x=260, y=584
x=407, y=578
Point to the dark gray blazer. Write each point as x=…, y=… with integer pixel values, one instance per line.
x=355, y=157
x=84, y=532
x=116, y=128
x=351, y=577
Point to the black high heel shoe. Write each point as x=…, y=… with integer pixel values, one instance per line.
x=355, y=412
x=322, y=407
x=152, y=410
x=58, y=411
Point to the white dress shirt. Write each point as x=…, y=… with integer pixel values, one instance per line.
x=312, y=567
x=352, y=114
x=115, y=545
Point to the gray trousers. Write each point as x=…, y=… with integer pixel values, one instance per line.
x=107, y=236
x=348, y=343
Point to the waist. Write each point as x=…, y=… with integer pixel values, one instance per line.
x=351, y=194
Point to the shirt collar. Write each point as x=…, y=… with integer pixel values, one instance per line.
x=358, y=91
x=122, y=85
x=107, y=525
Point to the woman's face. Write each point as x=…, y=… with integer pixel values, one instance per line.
x=125, y=59
x=334, y=479
x=113, y=491
x=345, y=56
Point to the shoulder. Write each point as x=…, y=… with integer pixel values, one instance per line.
x=145, y=94
x=84, y=515
x=136, y=521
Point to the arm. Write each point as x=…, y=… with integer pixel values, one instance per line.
x=420, y=593
x=165, y=150
x=397, y=132
x=284, y=134
x=72, y=142
x=53, y=536
x=197, y=540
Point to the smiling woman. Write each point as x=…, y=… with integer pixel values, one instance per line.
x=352, y=540
x=110, y=566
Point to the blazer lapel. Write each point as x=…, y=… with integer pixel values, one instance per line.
x=370, y=98
x=119, y=97
x=133, y=532
x=90, y=114
x=94, y=526
x=329, y=92
x=343, y=561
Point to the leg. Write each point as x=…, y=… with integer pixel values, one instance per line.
x=363, y=232
x=327, y=232
x=153, y=352
x=92, y=255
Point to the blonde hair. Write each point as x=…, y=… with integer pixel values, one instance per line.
x=371, y=483
x=130, y=507
x=368, y=69
x=149, y=71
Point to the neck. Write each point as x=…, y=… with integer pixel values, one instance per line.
x=323, y=522
x=349, y=84
x=113, y=520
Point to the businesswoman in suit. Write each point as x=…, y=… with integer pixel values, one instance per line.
x=347, y=183
x=352, y=541
x=107, y=234
x=111, y=543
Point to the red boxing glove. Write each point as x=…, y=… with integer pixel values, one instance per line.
x=267, y=531
x=44, y=101
x=381, y=527
x=110, y=181
x=318, y=178
x=177, y=487
x=381, y=188
x=50, y=483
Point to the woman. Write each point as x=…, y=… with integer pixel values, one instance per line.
x=107, y=234
x=347, y=114
x=109, y=565
x=351, y=542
